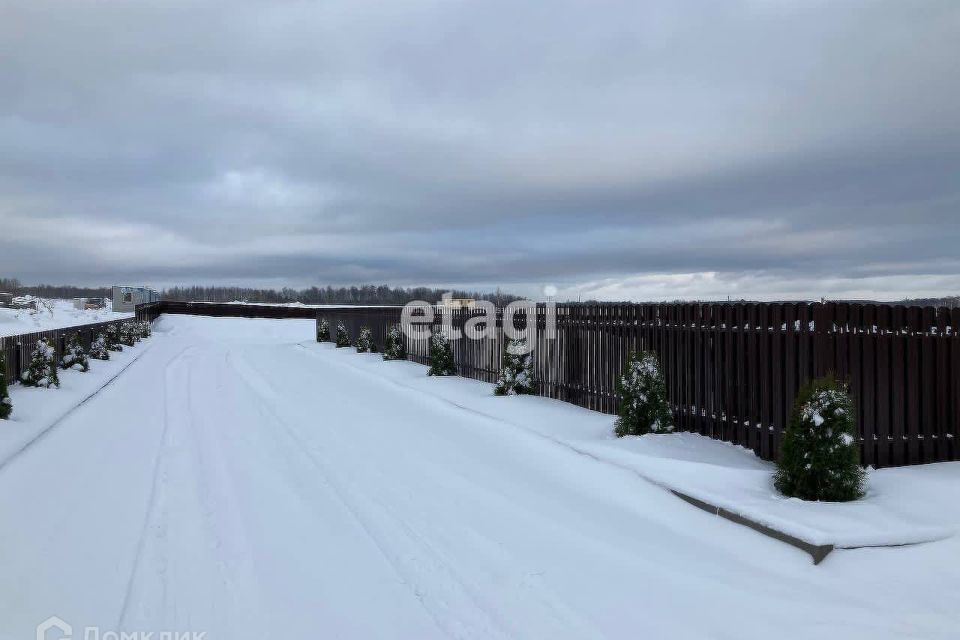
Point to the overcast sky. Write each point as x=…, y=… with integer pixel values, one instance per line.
x=615, y=150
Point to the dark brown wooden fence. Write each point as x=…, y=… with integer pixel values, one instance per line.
x=733, y=370
x=152, y=310
x=18, y=349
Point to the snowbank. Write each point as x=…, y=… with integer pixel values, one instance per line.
x=903, y=505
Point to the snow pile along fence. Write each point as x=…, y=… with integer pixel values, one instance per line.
x=733, y=370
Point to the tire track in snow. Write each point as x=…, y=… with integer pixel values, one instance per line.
x=152, y=500
x=448, y=617
x=217, y=500
x=316, y=494
x=387, y=525
x=192, y=566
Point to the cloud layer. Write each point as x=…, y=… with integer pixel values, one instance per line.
x=760, y=149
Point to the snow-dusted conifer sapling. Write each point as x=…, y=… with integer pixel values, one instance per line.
x=396, y=346
x=365, y=341
x=42, y=370
x=323, y=330
x=441, y=356
x=98, y=348
x=819, y=457
x=113, y=338
x=75, y=357
x=643, y=397
x=343, y=339
x=129, y=334
x=516, y=374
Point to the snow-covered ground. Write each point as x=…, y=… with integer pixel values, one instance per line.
x=52, y=314
x=241, y=480
x=716, y=472
x=36, y=410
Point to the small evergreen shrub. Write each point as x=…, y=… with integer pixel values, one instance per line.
x=98, y=348
x=396, y=346
x=516, y=374
x=113, y=338
x=42, y=370
x=129, y=334
x=365, y=341
x=343, y=339
x=643, y=397
x=6, y=405
x=819, y=457
x=144, y=329
x=323, y=331
x=441, y=356
x=75, y=357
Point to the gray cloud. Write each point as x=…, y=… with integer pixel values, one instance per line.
x=614, y=149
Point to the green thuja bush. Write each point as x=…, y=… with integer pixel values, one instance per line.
x=6, y=405
x=113, y=338
x=395, y=347
x=365, y=341
x=343, y=339
x=441, y=356
x=819, y=457
x=643, y=397
x=129, y=334
x=42, y=370
x=98, y=348
x=145, y=329
x=516, y=374
x=75, y=357
x=323, y=331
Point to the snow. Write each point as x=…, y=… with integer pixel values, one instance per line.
x=717, y=472
x=36, y=409
x=53, y=314
x=242, y=480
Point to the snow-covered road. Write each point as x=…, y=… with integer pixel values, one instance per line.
x=242, y=481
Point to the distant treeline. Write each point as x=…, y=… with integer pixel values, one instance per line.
x=366, y=294
x=950, y=302
x=12, y=285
